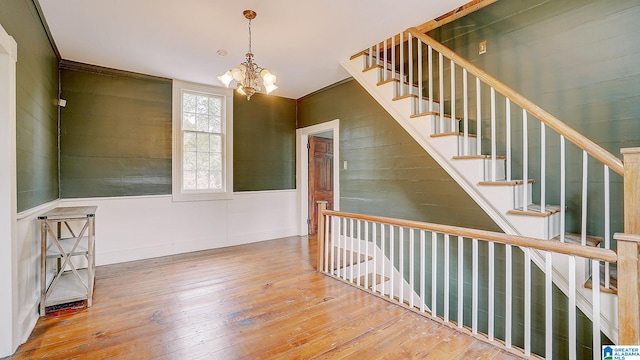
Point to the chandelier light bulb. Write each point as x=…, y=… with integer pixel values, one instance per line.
x=226, y=78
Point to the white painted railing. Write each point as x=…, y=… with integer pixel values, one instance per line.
x=478, y=281
x=523, y=143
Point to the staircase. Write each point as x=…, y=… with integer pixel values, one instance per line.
x=468, y=128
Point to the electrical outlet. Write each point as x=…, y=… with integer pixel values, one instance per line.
x=482, y=47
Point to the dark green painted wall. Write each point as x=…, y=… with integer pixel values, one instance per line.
x=579, y=61
x=263, y=143
x=388, y=172
x=36, y=111
x=115, y=134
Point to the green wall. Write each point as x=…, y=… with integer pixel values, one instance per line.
x=388, y=172
x=36, y=111
x=263, y=143
x=115, y=133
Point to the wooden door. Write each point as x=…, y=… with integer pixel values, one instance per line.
x=320, y=177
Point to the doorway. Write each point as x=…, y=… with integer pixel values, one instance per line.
x=327, y=171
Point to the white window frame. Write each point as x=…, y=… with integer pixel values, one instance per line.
x=179, y=87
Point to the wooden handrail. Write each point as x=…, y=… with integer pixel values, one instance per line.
x=533, y=243
x=563, y=129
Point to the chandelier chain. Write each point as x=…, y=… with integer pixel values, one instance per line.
x=250, y=35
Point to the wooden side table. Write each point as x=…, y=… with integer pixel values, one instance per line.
x=66, y=281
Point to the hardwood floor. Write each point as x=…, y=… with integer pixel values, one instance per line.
x=257, y=301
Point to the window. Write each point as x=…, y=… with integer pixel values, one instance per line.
x=202, y=141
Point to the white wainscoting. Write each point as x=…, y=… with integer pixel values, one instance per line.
x=142, y=227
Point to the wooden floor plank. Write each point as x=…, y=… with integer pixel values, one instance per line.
x=262, y=300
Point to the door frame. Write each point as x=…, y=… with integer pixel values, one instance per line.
x=302, y=169
x=9, y=340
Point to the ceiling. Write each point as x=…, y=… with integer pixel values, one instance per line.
x=302, y=42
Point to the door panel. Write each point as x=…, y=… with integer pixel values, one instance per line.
x=320, y=177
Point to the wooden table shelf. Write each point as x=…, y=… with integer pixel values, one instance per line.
x=67, y=260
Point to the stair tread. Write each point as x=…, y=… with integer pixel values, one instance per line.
x=372, y=67
x=453, y=133
x=436, y=113
x=369, y=276
x=505, y=182
x=461, y=157
x=535, y=210
x=613, y=280
x=361, y=53
x=573, y=238
x=387, y=81
x=348, y=260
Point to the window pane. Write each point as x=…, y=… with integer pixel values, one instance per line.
x=189, y=121
x=216, y=180
x=188, y=103
x=189, y=180
x=189, y=162
x=203, y=105
x=215, y=106
x=216, y=143
x=189, y=141
x=216, y=124
x=203, y=161
x=203, y=180
x=203, y=142
x=202, y=122
x=216, y=161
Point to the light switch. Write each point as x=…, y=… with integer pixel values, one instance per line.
x=344, y=165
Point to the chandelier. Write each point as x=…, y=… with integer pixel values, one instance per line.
x=248, y=74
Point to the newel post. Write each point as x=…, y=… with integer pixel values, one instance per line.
x=628, y=264
x=322, y=206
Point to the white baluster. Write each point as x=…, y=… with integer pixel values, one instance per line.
x=573, y=327
x=508, y=295
x=491, y=290
x=430, y=74
x=411, y=266
x=374, y=270
x=465, y=109
x=508, y=135
x=527, y=302
x=422, y=270
x=402, y=72
x=474, y=288
x=460, y=282
x=370, y=56
x=420, y=87
x=336, y=232
x=344, y=250
x=453, y=97
x=392, y=245
x=543, y=167
x=393, y=57
x=548, y=292
x=441, y=90
x=562, y=187
x=434, y=271
x=478, y=118
x=585, y=172
x=352, y=262
x=493, y=134
x=366, y=255
x=525, y=162
x=410, y=62
x=358, y=263
x=595, y=276
x=607, y=224
x=401, y=264
x=446, y=278
x=385, y=61
x=384, y=256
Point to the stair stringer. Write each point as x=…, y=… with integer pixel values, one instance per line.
x=510, y=224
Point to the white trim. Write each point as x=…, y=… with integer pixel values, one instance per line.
x=176, y=164
x=38, y=209
x=9, y=291
x=302, y=171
